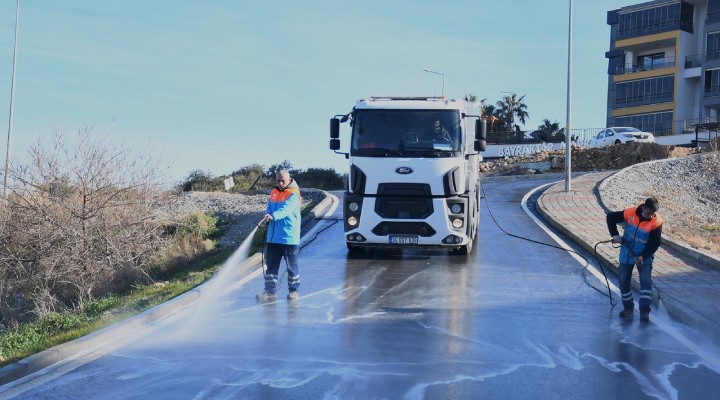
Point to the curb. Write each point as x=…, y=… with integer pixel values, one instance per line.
x=92, y=341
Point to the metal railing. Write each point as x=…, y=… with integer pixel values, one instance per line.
x=668, y=62
x=643, y=100
x=711, y=18
x=712, y=54
x=585, y=135
x=655, y=28
x=693, y=61
x=712, y=91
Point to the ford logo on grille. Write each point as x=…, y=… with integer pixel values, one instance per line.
x=404, y=170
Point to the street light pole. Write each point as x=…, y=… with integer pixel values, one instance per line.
x=12, y=102
x=568, y=151
x=443, y=79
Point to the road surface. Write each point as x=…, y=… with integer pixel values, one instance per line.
x=514, y=320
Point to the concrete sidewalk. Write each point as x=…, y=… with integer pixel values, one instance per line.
x=688, y=287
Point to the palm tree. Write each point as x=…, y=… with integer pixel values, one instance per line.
x=547, y=129
x=550, y=130
x=511, y=106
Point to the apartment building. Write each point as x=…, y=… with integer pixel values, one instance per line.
x=664, y=65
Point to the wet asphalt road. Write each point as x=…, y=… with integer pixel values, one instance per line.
x=514, y=320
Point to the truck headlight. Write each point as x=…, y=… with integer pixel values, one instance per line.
x=457, y=223
x=353, y=206
x=456, y=208
x=352, y=221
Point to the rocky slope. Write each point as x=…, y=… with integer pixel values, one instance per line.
x=688, y=189
x=239, y=213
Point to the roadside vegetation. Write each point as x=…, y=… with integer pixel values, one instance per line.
x=82, y=245
x=257, y=177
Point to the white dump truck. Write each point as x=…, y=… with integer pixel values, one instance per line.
x=413, y=178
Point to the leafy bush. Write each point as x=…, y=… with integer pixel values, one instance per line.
x=257, y=177
x=33, y=335
x=319, y=178
x=199, y=225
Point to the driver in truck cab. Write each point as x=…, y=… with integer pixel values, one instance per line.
x=437, y=132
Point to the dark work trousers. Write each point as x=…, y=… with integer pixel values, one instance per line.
x=625, y=280
x=273, y=255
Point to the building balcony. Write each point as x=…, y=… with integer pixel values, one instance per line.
x=693, y=61
x=712, y=55
x=645, y=100
x=711, y=18
x=668, y=62
x=712, y=91
x=650, y=29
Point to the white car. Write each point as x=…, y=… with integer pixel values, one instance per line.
x=620, y=134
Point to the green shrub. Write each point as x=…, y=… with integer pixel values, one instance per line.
x=99, y=306
x=712, y=228
x=34, y=335
x=200, y=225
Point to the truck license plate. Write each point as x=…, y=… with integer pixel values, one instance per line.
x=403, y=240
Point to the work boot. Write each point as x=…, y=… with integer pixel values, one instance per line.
x=265, y=297
x=645, y=316
x=293, y=295
x=626, y=313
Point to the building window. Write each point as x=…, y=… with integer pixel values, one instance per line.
x=657, y=19
x=713, y=46
x=649, y=62
x=657, y=123
x=645, y=91
x=712, y=82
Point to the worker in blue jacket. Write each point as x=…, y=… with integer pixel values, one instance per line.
x=640, y=241
x=283, y=236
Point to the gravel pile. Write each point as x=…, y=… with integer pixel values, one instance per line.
x=238, y=213
x=688, y=189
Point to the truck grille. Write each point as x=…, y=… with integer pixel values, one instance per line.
x=404, y=201
x=403, y=228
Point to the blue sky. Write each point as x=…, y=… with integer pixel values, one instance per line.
x=220, y=84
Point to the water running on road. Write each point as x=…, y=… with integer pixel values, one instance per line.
x=212, y=291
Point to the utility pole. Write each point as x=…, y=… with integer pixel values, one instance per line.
x=12, y=102
x=568, y=141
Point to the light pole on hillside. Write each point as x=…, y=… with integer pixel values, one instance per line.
x=443, y=79
x=568, y=151
x=12, y=102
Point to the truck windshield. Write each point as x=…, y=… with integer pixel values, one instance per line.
x=406, y=133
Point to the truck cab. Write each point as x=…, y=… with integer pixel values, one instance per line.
x=413, y=177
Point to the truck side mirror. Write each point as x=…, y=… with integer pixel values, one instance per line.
x=334, y=144
x=480, y=135
x=334, y=128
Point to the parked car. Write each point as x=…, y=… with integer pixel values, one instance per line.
x=621, y=134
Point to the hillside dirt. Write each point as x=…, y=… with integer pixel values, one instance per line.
x=584, y=159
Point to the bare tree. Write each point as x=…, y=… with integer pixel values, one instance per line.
x=80, y=222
